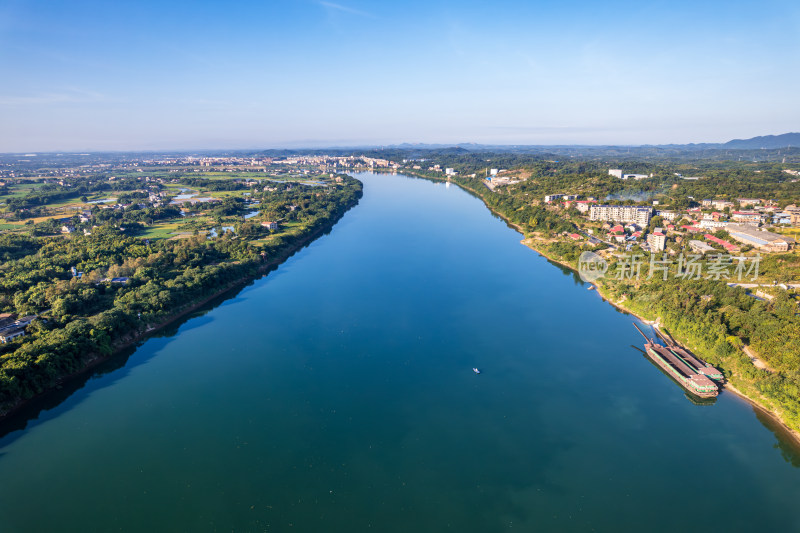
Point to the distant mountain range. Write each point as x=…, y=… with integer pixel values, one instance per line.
x=768, y=142
x=766, y=147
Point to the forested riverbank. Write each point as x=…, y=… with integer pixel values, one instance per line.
x=334, y=383
x=711, y=318
x=129, y=287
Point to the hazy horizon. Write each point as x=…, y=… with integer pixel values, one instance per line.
x=300, y=146
x=93, y=76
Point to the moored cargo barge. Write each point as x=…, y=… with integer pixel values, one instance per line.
x=684, y=373
x=700, y=366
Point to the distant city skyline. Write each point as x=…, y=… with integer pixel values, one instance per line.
x=91, y=76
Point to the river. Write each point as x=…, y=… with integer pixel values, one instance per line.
x=337, y=394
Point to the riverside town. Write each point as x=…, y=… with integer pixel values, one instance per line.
x=105, y=253
x=286, y=266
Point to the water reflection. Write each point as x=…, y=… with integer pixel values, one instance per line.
x=696, y=400
x=223, y=229
x=75, y=389
x=786, y=443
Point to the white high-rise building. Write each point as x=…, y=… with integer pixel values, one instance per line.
x=621, y=213
x=657, y=241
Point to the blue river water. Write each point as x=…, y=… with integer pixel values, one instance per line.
x=336, y=394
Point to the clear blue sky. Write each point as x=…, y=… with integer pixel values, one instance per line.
x=80, y=75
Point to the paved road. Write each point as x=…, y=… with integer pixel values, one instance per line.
x=754, y=285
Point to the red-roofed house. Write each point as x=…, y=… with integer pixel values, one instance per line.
x=725, y=244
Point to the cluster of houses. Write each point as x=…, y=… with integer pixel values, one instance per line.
x=83, y=217
x=656, y=241
x=626, y=224
x=759, y=212
x=745, y=227
x=261, y=163
x=11, y=327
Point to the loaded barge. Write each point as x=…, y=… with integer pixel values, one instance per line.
x=692, y=361
x=692, y=373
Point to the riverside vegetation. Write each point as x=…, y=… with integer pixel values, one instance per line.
x=85, y=317
x=716, y=320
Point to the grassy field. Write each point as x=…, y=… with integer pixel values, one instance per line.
x=176, y=227
x=66, y=203
x=22, y=189
x=11, y=226
x=163, y=230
